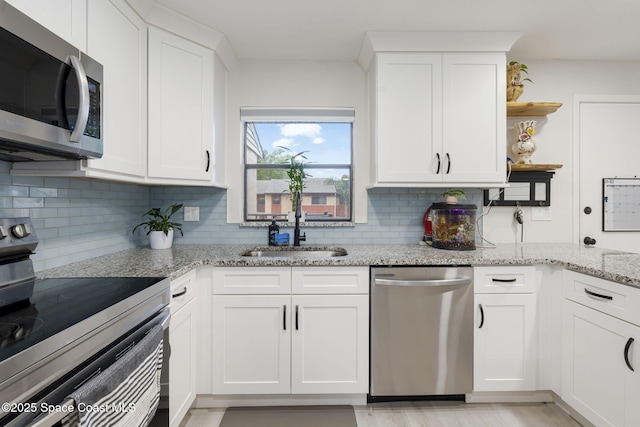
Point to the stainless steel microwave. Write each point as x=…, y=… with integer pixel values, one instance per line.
x=50, y=94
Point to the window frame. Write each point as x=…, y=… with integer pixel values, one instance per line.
x=297, y=115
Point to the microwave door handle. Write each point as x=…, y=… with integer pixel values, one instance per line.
x=83, y=106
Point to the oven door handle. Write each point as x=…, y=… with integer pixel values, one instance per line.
x=52, y=418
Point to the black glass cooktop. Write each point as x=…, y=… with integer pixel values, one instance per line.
x=57, y=304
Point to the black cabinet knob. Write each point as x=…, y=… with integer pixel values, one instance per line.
x=589, y=241
x=587, y=210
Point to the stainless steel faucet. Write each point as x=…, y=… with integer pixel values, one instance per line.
x=297, y=237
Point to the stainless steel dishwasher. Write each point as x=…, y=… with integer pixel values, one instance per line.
x=421, y=333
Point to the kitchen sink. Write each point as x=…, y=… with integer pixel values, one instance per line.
x=296, y=253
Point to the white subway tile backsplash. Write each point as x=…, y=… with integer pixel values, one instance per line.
x=77, y=219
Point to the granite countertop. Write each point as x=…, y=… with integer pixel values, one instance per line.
x=622, y=267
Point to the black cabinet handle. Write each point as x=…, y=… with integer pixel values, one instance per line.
x=208, y=161
x=284, y=317
x=179, y=294
x=626, y=353
x=438, y=157
x=481, y=316
x=448, y=163
x=296, y=317
x=504, y=280
x=593, y=294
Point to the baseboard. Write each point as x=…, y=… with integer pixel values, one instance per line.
x=226, y=401
x=572, y=412
x=510, y=396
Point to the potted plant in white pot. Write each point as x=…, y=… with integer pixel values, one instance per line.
x=159, y=226
x=297, y=176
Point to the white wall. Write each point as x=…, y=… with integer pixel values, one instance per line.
x=343, y=84
x=256, y=83
x=559, y=81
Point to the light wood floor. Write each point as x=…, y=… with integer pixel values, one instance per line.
x=436, y=414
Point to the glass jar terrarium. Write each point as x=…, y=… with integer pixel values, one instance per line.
x=454, y=226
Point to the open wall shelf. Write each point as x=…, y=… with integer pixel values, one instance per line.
x=532, y=108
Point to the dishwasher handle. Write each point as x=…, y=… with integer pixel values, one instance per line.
x=424, y=283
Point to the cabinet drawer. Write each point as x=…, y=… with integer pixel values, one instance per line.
x=183, y=290
x=613, y=298
x=504, y=280
x=252, y=280
x=330, y=280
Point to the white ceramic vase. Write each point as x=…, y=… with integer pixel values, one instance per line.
x=525, y=146
x=159, y=240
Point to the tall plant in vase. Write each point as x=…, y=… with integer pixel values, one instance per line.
x=297, y=177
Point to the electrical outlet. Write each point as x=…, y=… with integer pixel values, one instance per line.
x=191, y=213
x=540, y=213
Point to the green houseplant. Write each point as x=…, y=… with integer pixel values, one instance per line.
x=159, y=226
x=452, y=196
x=297, y=176
x=515, y=83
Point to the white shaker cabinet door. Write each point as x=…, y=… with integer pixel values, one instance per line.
x=330, y=344
x=505, y=342
x=181, y=121
x=251, y=344
x=599, y=354
x=474, y=118
x=408, y=117
x=117, y=38
x=182, y=362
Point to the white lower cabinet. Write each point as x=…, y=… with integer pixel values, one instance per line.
x=281, y=344
x=505, y=351
x=182, y=339
x=329, y=344
x=601, y=362
x=504, y=348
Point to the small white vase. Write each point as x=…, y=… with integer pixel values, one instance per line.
x=159, y=240
x=525, y=146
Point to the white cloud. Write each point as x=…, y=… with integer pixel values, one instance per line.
x=310, y=130
x=318, y=140
x=283, y=142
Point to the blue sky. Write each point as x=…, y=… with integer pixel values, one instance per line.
x=324, y=142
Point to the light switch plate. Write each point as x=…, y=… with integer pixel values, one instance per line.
x=191, y=213
x=540, y=213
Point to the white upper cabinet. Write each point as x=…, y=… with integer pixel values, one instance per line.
x=66, y=18
x=438, y=113
x=408, y=118
x=162, y=123
x=118, y=40
x=181, y=120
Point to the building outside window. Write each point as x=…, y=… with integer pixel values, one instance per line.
x=323, y=136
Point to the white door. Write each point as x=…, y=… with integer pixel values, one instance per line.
x=251, y=344
x=505, y=342
x=330, y=344
x=596, y=380
x=605, y=141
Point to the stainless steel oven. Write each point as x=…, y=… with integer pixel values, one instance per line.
x=67, y=332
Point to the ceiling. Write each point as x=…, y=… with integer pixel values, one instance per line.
x=335, y=29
